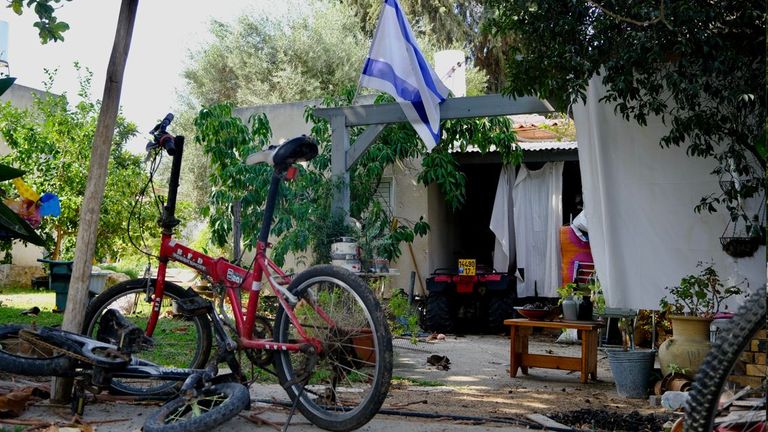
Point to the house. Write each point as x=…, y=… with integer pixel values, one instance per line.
x=453, y=235
x=22, y=97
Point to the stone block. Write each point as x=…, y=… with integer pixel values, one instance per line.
x=19, y=275
x=758, y=345
x=747, y=357
x=743, y=380
x=756, y=370
x=759, y=358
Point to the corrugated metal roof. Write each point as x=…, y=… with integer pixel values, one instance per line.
x=548, y=145
x=533, y=146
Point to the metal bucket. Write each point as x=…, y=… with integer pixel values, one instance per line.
x=631, y=371
x=346, y=254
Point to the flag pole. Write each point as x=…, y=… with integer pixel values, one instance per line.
x=375, y=33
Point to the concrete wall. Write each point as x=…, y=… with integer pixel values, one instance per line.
x=411, y=201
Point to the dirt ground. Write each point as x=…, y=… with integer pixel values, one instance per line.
x=477, y=385
x=478, y=381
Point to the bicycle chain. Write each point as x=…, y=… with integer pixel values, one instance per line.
x=33, y=338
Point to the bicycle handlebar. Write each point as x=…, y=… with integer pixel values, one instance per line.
x=161, y=138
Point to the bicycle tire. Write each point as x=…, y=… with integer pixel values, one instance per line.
x=173, y=416
x=130, y=297
x=357, y=352
x=19, y=357
x=702, y=405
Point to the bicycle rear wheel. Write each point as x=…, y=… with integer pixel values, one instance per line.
x=179, y=341
x=211, y=407
x=712, y=386
x=351, y=377
x=20, y=357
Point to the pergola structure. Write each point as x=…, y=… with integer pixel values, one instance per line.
x=376, y=117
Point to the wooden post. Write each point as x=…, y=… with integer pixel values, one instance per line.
x=77, y=298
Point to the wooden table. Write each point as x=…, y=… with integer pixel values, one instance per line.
x=520, y=329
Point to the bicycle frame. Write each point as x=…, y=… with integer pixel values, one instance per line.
x=231, y=276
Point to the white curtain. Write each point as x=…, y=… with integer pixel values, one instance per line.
x=639, y=200
x=538, y=214
x=502, y=222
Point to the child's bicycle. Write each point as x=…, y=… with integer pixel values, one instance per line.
x=329, y=346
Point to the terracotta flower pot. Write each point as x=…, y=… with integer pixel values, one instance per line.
x=688, y=345
x=364, y=347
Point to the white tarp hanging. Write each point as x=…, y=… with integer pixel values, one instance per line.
x=639, y=200
x=502, y=222
x=538, y=214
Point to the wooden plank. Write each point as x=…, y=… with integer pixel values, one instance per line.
x=758, y=345
x=453, y=108
x=551, y=362
x=740, y=417
x=578, y=325
x=361, y=145
x=752, y=403
x=759, y=358
x=735, y=397
x=547, y=422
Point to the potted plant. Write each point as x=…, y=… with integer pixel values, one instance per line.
x=568, y=293
x=691, y=307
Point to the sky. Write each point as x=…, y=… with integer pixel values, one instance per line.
x=164, y=33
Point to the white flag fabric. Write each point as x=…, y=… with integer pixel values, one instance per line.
x=396, y=66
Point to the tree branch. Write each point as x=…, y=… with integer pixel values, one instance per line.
x=616, y=16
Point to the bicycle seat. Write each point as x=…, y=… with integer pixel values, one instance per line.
x=299, y=149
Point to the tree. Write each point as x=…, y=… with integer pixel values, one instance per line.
x=49, y=27
x=52, y=142
x=77, y=297
x=304, y=218
x=700, y=66
x=263, y=60
x=448, y=24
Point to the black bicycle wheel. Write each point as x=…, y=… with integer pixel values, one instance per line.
x=352, y=373
x=211, y=407
x=18, y=356
x=439, y=317
x=179, y=341
x=712, y=380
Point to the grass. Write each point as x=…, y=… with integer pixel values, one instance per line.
x=14, y=300
x=416, y=382
x=131, y=271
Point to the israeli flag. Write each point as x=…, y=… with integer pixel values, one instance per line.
x=396, y=66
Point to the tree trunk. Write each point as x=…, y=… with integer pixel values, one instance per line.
x=77, y=298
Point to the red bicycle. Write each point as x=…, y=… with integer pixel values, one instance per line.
x=329, y=345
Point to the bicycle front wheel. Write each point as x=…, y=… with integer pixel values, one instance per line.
x=19, y=356
x=712, y=386
x=211, y=407
x=350, y=377
x=178, y=341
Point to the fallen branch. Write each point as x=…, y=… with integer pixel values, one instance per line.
x=405, y=404
x=260, y=421
x=23, y=422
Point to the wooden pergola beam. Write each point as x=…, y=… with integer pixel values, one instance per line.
x=376, y=117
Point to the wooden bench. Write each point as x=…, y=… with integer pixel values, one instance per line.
x=519, y=358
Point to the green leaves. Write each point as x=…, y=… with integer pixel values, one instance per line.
x=51, y=142
x=699, y=68
x=48, y=26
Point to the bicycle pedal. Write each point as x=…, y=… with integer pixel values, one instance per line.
x=194, y=306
